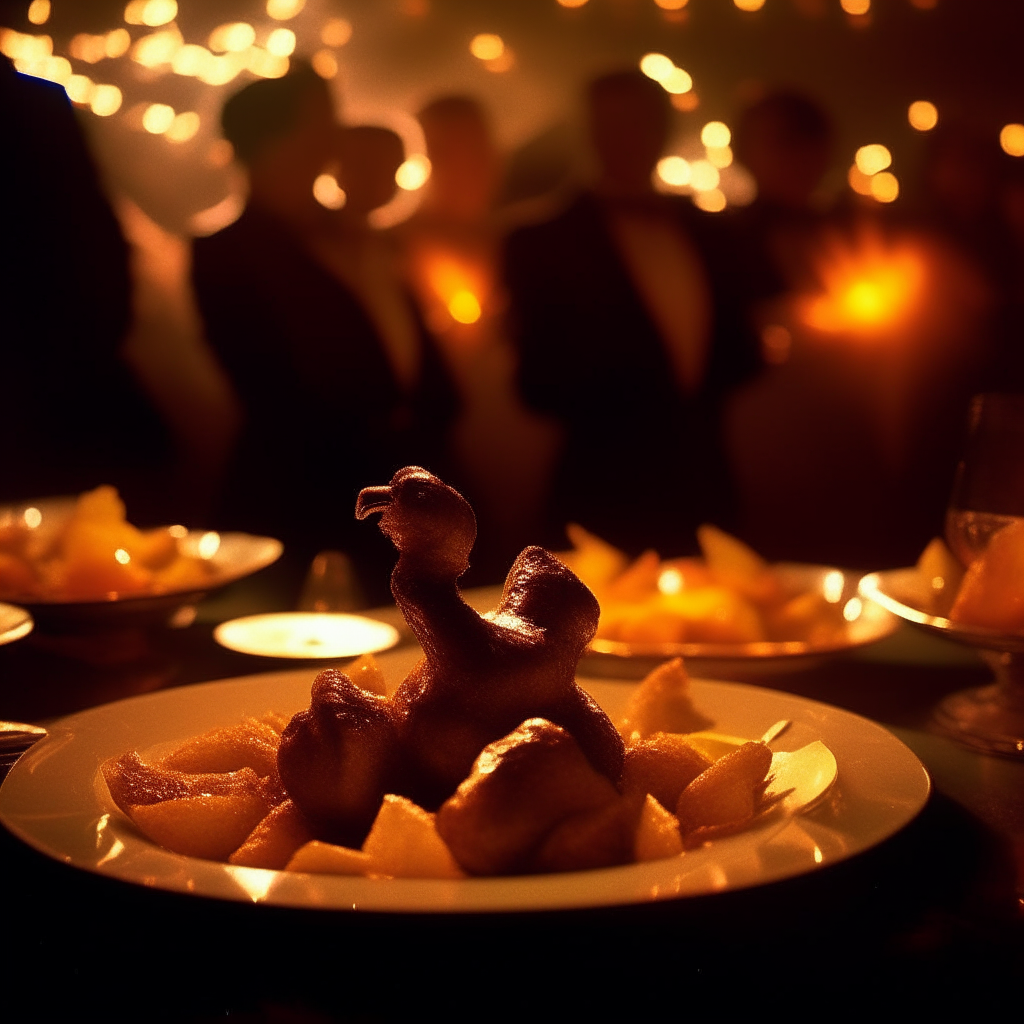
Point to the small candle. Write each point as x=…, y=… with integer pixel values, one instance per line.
x=306, y=635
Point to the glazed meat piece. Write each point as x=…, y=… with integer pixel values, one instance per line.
x=338, y=758
x=481, y=676
x=521, y=788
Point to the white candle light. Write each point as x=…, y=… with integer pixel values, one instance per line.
x=306, y=635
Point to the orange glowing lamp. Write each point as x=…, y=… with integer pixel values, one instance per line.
x=870, y=287
x=458, y=286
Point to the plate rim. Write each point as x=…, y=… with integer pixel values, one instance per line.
x=871, y=586
x=141, y=601
x=628, y=885
x=22, y=624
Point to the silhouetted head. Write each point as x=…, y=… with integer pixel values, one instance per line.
x=629, y=119
x=463, y=159
x=785, y=139
x=430, y=523
x=284, y=130
x=370, y=156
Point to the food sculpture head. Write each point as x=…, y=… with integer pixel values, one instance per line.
x=481, y=676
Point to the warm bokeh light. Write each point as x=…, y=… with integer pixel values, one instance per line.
x=157, y=48
x=157, y=118
x=870, y=287
x=87, y=48
x=233, y=37
x=464, y=307
x=413, y=174
x=192, y=60
x=715, y=133
x=325, y=64
x=486, y=46
x=674, y=170
x=328, y=192
x=106, y=100
x=153, y=13
x=852, y=609
x=39, y=12
x=53, y=69
x=704, y=176
x=281, y=42
x=922, y=115
x=80, y=89
x=209, y=544
x=711, y=201
x=832, y=586
x=264, y=64
x=336, y=32
x=859, y=181
x=855, y=6
x=872, y=159
x=282, y=10
x=1011, y=138
x=720, y=156
x=221, y=70
x=884, y=187
x=671, y=5
x=32, y=517
x=19, y=46
x=571, y=3
x=656, y=66
x=677, y=82
x=671, y=581
x=184, y=126
x=749, y=5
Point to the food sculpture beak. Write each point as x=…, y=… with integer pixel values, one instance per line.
x=372, y=499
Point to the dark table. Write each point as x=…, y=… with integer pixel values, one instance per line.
x=934, y=914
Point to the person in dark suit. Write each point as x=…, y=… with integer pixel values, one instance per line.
x=630, y=331
x=71, y=414
x=329, y=405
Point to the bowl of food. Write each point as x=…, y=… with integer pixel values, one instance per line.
x=77, y=563
x=726, y=612
x=980, y=605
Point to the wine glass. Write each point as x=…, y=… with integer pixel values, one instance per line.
x=988, y=494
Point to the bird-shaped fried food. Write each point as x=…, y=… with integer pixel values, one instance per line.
x=339, y=757
x=481, y=676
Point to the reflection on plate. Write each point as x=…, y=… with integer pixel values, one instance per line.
x=306, y=635
x=864, y=623
x=231, y=556
x=52, y=800
x=14, y=623
x=899, y=592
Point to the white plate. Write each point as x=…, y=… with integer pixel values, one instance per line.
x=53, y=801
x=15, y=623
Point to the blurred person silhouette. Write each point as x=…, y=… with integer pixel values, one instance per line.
x=71, y=411
x=886, y=331
x=451, y=245
x=630, y=329
x=785, y=140
x=335, y=393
